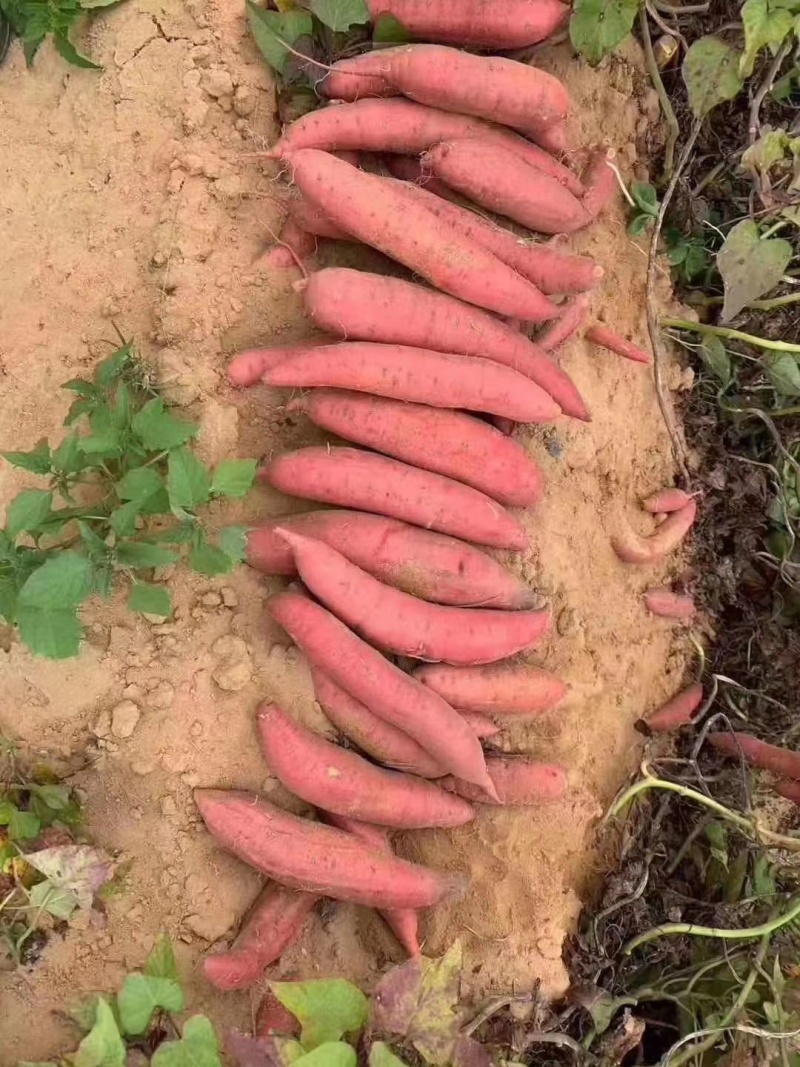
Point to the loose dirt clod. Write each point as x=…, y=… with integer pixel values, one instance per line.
x=124, y=718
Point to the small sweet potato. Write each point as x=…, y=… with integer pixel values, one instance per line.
x=482, y=726
x=632, y=548
x=335, y=779
x=317, y=859
x=666, y=500
x=677, y=711
x=497, y=689
x=663, y=601
x=569, y=322
x=607, y=338
x=519, y=782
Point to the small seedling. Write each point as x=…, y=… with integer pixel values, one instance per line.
x=129, y=490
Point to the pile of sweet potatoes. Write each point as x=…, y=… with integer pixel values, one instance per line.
x=415, y=378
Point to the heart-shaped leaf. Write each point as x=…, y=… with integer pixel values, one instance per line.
x=750, y=266
x=711, y=74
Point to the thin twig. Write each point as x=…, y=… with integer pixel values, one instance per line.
x=765, y=87
x=666, y=106
x=686, y=9
x=652, y=321
x=671, y=31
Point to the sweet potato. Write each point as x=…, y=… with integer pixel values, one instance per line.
x=317, y=859
x=499, y=90
x=369, y=307
x=248, y=367
x=365, y=481
x=666, y=500
x=670, y=605
x=335, y=779
x=373, y=210
x=403, y=922
x=387, y=691
x=402, y=624
x=502, y=689
x=677, y=711
x=569, y=322
x=273, y=923
x=607, y=338
x=401, y=126
x=476, y=23
x=481, y=725
x=498, y=179
x=632, y=548
x=418, y=375
x=372, y=734
x=519, y=782
x=435, y=439
x=425, y=564
x=788, y=789
x=410, y=169
x=781, y=761
x=296, y=244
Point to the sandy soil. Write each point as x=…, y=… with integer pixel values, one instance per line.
x=133, y=197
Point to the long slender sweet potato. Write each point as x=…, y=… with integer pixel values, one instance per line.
x=335, y=779
x=519, y=782
x=503, y=182
x=436, y=439
x=373, y=210
x=781, y=761
x=677, y=711
x=382, y=687
x=317, y=859
x=501, y=689
x=499, y=90
x=365, y=481
x=632, y=548
x=273, y=923
x=477, y=23
x=402, y=126
x=403, y=922
x=400, y=623
x=663, y=601
x=561, y=329
x=417, y=375
x=607, y=338
x=369, y=307
x=372, y=734
x=426, y=564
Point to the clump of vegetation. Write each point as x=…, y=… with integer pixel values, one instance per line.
x=35, y=20
x=122, y=499
x=44, y=869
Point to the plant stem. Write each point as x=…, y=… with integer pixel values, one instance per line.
x=730, y=334
x=658, y=85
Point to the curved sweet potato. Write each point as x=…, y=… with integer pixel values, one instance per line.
x=426, y=564
x=781, y=761
x=677, y=711
x=497, y=689
x=561, y=329
x=335, y=779
x=383, y=688
x=436, y=439
x=632, y=548
x=399, y=623
x=273, y=923
x=663, y=601
x=352, y=478
x=608, y=338
x=317, y=859
x=519, y=782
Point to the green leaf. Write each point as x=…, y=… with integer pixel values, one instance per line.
x=783, y=373
x=27, y=511
x=67, y=50
x=96, y=548
x=750, y=266
x=696, y=260
x=81, y=386
x=197, y=1048
x=710, y=74
x=273, y=30
x=766, y=25
x=598, y=26
x=123, y=519
x=326, y=1009
x=63, y=581
x=50, y=633
x=233, y=542
x=102, y=1046
x=110, y=369
x=144, y=554
x=717, y=836
x=67, y=457
x=23, y=825
x=331, y=1054
x=646, y=197
x=143, y=994
x=150, y=599
x=389, y=30
x=211, y=561
x=139, y=484
x=188, y=480
x=639, y=223
x=39, y=461
x=716, y=357
x=161, y=962
x=56, y=797
x=89, y=5
x=234, y=477
x=158, y=430
x=380, y=1055
x=764, y=884
x=56, y=901
x=339, y=15
x=418, y=1001
x=7, y=810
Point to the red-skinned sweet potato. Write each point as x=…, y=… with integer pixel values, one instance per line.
x=666, y=500
x=476, y=23
x=317, y=859
x=664, y=602
x=632, y=548
x=497, y=689
x=781, y=761
x=608, y=338
x=519, y=782
x=569, y=322
x=677, y=711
